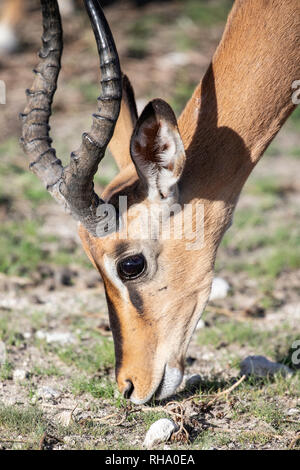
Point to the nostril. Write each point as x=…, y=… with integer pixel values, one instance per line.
x=128, y=389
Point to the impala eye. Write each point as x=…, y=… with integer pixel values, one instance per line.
x=131, y=267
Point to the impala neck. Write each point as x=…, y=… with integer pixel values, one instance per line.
x=242, y=102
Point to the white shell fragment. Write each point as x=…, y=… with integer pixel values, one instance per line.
x=261, y=367
x=219, y=289
x=160, y=431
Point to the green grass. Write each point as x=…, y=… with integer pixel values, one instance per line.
x=206, y=13
x=27, y=421
x=284, y=255
x=295, y=152
x=92, y=359
x=9, y=333
x=233, y=332
x=50, y=371
x=209, y=439
x=6, y=371
x=22, y=249
x=139, y=32
x=295, y=118
x=182, y=91
x=98, y=388
x=268, y=185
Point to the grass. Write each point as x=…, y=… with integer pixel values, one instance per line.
x=26, y=422
x=98, y=356
x=23, y=247
x=295, y=118
x=182, y=91
x=266, y=186
x=6, y=371
x=233, y=332
x=206, y=13
x=50, y=371
x=10, y=334
x=97, y=388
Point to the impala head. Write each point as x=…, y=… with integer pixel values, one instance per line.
x=146, y=259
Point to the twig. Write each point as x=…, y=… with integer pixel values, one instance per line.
x=237, y=315
x=12, y=441
x=72, y=417
x=227, y=390
x=216, y=396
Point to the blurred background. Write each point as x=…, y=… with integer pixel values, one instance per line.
x=46, y=282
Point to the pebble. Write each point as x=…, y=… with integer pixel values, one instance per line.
x=2, y=353
x=193, y=381
x=19, y=375
x=160, y=431
x=219, y=289
x=261, y=367
x=48, y=393
x=293, y=411
x=56, y=337
x=200, y=324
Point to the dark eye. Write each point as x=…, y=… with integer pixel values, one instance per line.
x=131, y=267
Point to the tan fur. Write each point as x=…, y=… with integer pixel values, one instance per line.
x=119, y=144
x=234, y=113
x=12, y=11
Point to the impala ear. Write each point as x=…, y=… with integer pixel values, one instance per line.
x=157, y=150
x=119, y=144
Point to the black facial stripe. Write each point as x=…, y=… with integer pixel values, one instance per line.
x=116, y=331
x=135, y=298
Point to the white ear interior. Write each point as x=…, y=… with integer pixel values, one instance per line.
x=168, y=152
x=171, y=150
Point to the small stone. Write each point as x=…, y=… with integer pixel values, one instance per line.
x=19, y=375
x=2, y=353
x=200, y=324
x=261, y=367
x=193, y=381
x=160, y=431
x=56, y=337
x=219, y=289
x=48, y=393
x=293, y=411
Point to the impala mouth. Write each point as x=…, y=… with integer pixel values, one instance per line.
x=171, y=379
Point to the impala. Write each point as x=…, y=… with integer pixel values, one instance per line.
x=156, y=288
